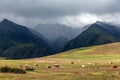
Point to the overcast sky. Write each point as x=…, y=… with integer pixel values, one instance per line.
x=75, y=13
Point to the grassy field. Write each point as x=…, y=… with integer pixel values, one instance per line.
x=101, y=55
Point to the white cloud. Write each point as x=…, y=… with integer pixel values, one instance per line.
x=79, y=20
x=87, y=18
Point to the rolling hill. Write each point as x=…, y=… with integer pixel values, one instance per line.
x=107, y=51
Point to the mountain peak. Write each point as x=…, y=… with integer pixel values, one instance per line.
x=6, y=21
x=100, y=23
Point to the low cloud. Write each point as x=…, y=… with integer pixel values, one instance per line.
x=86, y=18
x=74, y=13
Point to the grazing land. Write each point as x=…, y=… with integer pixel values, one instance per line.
x=88, y=63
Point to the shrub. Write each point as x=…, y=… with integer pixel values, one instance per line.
x=6, y=69
x=17, y=70
x=29, y=69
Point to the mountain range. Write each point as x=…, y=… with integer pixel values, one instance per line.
x=20, y=42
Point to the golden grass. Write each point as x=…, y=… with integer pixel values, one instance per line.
x=83, y=56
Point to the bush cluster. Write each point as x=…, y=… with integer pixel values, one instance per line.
x=7, y=69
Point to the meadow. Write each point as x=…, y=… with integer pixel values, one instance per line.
x=95, y=60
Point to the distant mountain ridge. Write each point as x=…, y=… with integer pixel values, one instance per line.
x=53, y=32
x=59, y=43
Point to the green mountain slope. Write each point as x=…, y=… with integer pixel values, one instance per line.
x=22, y=51
x=96, y=34
x=12, y=34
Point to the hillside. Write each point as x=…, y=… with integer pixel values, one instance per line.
x=23, y=51
x=96, y=34
x=107, y=51
x=12, y=34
